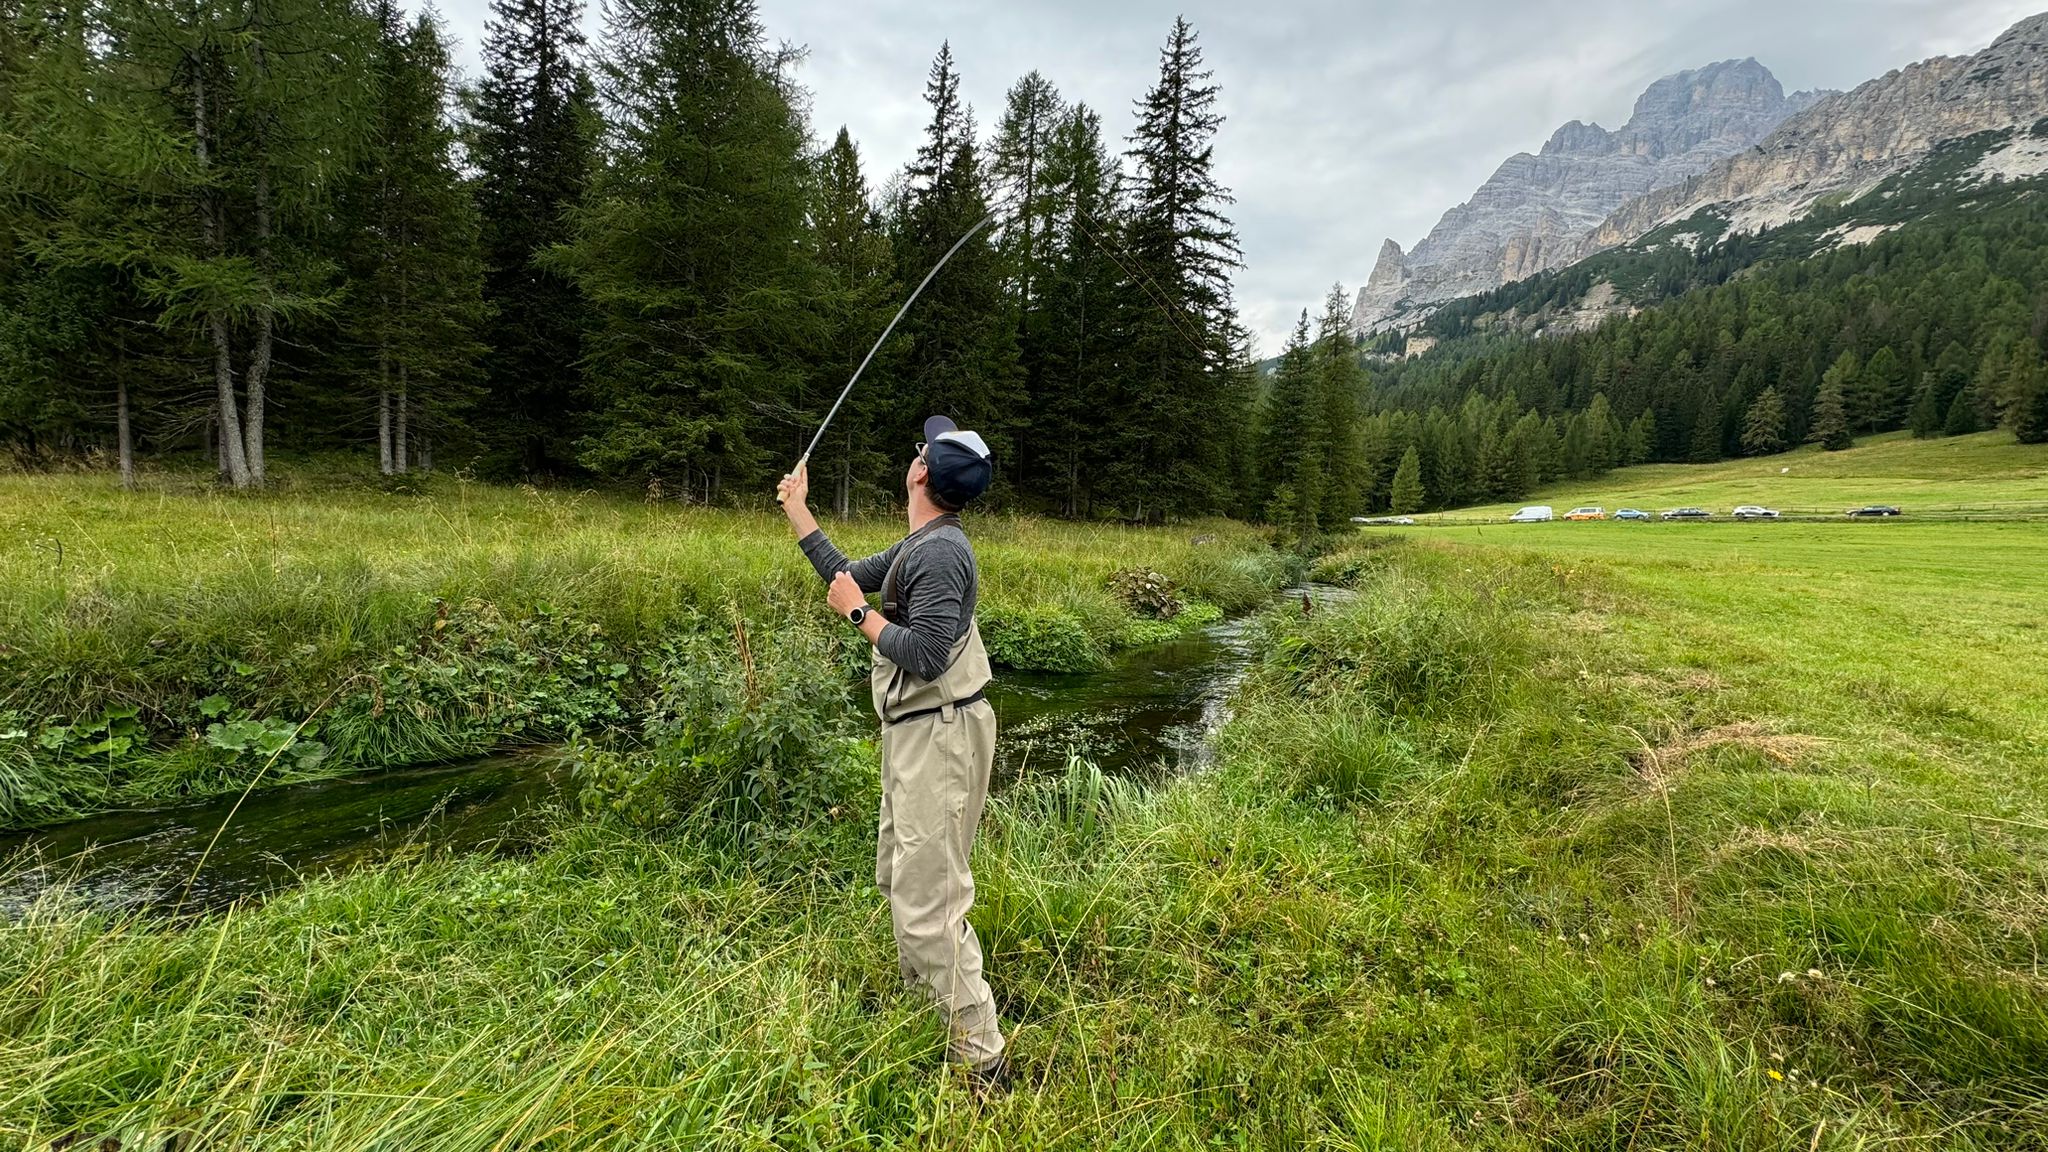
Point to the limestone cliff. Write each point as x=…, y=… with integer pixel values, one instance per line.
x=1850, y=141
x=1536, y=210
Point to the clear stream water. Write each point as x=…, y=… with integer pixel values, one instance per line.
x=1151, y=712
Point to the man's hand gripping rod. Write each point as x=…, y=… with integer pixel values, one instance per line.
x=855, y=378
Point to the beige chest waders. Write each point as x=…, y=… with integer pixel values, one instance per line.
x=938, y=745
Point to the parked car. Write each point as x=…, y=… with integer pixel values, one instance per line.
x=1755, y=512
x=1686, y=514
x=1532, y=514
x=1875, y=510
x=1587, y=513
x=1631, y=514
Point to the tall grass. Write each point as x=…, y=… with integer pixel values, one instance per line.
x=1476, y=869
x=411, y=626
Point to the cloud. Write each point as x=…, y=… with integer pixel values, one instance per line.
x=1348, y=122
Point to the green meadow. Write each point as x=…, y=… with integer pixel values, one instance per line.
x=1986, y=474
x=1576, y=836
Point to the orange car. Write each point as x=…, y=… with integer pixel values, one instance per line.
x=1585, y=514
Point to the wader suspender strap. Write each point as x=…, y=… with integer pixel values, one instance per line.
x=889, y=606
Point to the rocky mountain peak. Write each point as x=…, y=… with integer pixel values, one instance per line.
x=1535, y=208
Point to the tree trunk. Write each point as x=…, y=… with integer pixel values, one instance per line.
x=426, y=454
x=844, y=496
x=259, y=359
x=233, y=464
x=398, y=437
x=384, y=431
x=123, y=438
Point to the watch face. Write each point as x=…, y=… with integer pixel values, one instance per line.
x=857, y=616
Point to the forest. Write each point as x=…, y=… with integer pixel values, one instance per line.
x=236, y=228
x=1937, y=326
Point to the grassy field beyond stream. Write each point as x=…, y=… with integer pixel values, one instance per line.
x=1527, y=846
x=181, y=642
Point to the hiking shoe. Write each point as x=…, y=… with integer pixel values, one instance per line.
x=990, y=1079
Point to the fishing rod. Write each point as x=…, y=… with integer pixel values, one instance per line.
x=855, y=378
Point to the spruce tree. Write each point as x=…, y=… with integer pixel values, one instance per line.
x=1763, y=426
x=960, y=342
x=1082, y=301
x=413, y=251
x=1290, y=441
x=856, y=291
x=1182, y=249
x=688, y=246
x=2023, y=396
x=1881, y=392
x=1407, y=494
x=1830, y=427
x=1340, y=383
x=531, y=142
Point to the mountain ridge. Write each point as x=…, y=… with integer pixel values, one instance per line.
x=1535, y=210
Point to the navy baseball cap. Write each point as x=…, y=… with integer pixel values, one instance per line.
x=958, y=462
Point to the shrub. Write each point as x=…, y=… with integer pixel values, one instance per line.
x=1039, y=639
x=749, y=730
x=1145, y=592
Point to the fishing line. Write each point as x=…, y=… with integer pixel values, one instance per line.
x=855, y=378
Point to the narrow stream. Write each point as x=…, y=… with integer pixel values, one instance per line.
x=1151, y=713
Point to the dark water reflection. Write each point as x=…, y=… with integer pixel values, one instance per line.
x=1149, y=713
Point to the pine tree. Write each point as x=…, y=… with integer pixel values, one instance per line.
x=1830, y=428
x=1407, y=494
x=1340, y=383
x=960, y=342
x=1763, y=426
x=1081, y=339
x=694, y=224
x=413, y=253
x=1182, y=250
x=531, y=142
x=852, y=256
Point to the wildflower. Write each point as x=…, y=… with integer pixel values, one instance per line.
x=1777, y=1075
x=1813, y=973
x=1787, y=977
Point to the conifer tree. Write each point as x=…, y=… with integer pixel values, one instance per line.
x=1407, y=494
x=1182, y=249
x=688, y=247
x=533, y=122
x=1084, y=316
x=1339, y=384
x=1830, y=428
x=856, y=287
x=1880, y=392
x=1290, y=444
x=1763, y=426
x=413, y=253
x=960, y=342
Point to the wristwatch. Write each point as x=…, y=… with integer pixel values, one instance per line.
x=856, y=616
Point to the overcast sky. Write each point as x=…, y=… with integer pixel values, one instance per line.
x=1348, y=122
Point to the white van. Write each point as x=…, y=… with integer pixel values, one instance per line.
x=1532, y=514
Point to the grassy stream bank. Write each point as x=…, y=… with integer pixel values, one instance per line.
x=1517, y=850
x=183, y=642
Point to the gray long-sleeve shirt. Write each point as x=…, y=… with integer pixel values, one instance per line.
x=936, y=591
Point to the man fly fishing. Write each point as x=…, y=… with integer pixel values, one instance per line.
x=938, y=732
